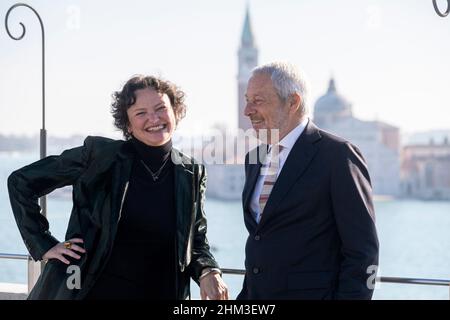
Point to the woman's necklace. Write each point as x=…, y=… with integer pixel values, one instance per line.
x=155, y=175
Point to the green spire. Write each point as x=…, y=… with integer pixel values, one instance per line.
x=247, y=34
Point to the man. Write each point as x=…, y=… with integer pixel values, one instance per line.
x=307, y=201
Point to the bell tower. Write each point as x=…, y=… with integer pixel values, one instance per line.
x=248, y=59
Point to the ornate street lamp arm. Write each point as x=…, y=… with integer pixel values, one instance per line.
x=43, y=133
x=438, y=11
x=43, y=152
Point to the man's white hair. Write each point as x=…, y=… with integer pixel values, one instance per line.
x=287, y=79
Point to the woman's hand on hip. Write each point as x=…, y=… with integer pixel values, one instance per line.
x=67, y=248
x=212, y=287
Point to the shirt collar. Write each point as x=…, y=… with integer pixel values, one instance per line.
x=289, y=140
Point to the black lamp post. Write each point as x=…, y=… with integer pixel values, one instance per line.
x=43, y=132
x=33, y=271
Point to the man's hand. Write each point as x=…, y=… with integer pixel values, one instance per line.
x=212, y=287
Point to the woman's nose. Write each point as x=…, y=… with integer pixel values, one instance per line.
x=152, y=117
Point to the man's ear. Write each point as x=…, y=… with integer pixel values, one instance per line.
x=295, y=101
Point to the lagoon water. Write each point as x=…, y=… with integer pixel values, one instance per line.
x=414, y=239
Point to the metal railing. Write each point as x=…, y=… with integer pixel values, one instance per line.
x=398, y=280
x=33, y=269
x=430, y=282
x=15, y=256
x=241, y=272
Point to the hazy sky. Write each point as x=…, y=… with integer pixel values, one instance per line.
x=389, y=58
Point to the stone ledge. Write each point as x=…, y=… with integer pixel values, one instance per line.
x=13, y=291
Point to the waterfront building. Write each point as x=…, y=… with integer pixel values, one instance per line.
x=425, y=170
x=378, y=141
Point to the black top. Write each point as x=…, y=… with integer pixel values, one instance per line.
x=142, y=264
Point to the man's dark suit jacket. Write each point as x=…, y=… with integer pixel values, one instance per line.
x=317, y=237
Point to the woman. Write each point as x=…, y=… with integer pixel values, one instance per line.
x=137, y=228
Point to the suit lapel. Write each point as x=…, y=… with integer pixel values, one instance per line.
x=254, y=170
x=297, y=162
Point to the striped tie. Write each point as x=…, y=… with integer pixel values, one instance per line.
x=269, y=178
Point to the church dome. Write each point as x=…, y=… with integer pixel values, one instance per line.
x=332, y=104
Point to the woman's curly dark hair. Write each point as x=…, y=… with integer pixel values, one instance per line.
x=124, y=99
